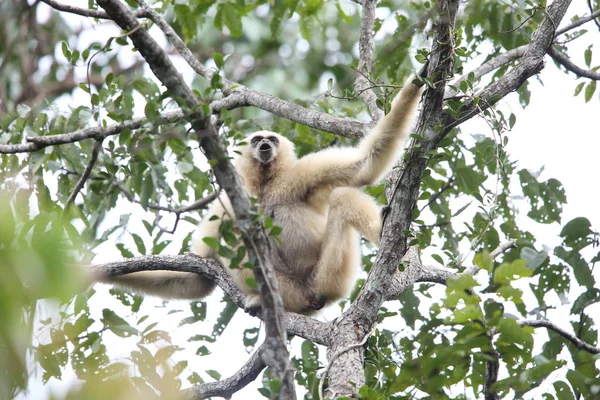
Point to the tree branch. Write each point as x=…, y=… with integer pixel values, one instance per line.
x=35, y=143
x=86, y=12
x=227, y=387
x=578, y=23
x=544, y=323
x=563, y=60
x=531, y=63
x=365, y=61
x=276, y=353
x=296, y=324
x=347, y=373
x=513, y=54
x=86, y=173
x=249, y=97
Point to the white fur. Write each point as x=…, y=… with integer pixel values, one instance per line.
x=316, y=201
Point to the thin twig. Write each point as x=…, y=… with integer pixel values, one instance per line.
x=85, y=175
x=86, y=12
x=544, y=323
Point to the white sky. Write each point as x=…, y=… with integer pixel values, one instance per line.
x=556, y=131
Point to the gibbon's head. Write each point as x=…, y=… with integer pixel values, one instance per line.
x=266, y=148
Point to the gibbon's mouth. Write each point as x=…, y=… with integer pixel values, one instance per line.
x=264, y=147
x=265, y=153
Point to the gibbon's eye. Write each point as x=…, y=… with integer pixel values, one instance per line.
x=273, y=140
x=255, y=140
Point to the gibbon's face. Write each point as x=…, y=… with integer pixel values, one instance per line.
x=265, y=146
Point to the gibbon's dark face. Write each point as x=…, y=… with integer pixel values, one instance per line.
x=264, y=148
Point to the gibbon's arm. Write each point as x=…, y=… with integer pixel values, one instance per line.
x=363, y=165
x=174, y=284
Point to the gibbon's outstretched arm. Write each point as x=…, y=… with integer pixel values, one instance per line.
x=364, y=165
x=180, y=285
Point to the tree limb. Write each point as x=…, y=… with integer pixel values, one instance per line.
x=365, y=61
x=531, y=63
x=249, y=97
x=35, y=143
x=513, y=54
x=227, y=387
x=86, y=173
x=346, y=373
x=544, y=323
x=296, y=324
x=86, y=12
x=563, y=60
x=255, y=239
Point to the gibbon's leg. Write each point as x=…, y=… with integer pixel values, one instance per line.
x=349, y=210
x=296, y=294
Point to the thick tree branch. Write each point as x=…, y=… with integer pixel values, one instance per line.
x=571, y=66
x=276, y=353
x=227, y=387
x=365, y=61
x=346, y=374
x=514, y=54
x=531, y=63
x=296, y=324
x=248, y=97
x=544, y=323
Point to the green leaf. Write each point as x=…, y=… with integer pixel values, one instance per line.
x=510, y=271
x=589, y=91
x=116, y=324
x=139, y=242
x=587, y=55
x=484, y=261
x=212, y=242
x=575, y=233
x=581, y=269
x=534, y=259
x=232, y=19
x=563, y=391
x=218, y=58
x=578, y=88
x=410, y=307
x=124, y=251
x=546, y=198
x=214, y=374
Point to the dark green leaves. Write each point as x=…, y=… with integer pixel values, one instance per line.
x=546, y=198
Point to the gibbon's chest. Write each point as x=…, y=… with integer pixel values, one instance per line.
x=302, y=231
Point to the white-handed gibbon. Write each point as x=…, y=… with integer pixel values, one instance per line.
x=316, y=202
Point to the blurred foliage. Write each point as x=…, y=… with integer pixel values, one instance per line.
x=61, y=73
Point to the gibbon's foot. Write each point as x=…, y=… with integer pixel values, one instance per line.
x=252, y=305
x=317, y=303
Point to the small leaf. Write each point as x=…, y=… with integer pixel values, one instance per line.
x=212, y=242
x=589, y=91
x=587, y=55
x=214, y=374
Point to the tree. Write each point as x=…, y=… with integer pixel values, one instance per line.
x=87, y=131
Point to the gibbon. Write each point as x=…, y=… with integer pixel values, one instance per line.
x=316, y=202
